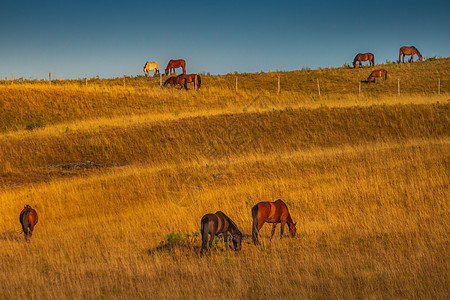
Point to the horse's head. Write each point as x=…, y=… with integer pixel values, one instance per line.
x=292, y=229
x=420, y=57
x=27, y=206
x=166, y=71
x=237, y=241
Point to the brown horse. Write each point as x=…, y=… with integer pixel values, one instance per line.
x=360, y=57
x=196, y=79
x=28, y=218
x=214, y=224
x=175, y=63
x=271, y=212
x=377, y=73
x=176, y=81
x=411, y=50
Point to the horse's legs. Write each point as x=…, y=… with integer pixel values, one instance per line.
x=273, y=230
x=282, y=228
x=403, y=57
x=211, y=240
x=225, y=240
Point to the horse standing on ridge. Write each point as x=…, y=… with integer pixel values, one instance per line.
x=360, y=57
x=214, y=224
x=271, y=212
x=175, y=63
x=28, y=218
x=411, y=50
x=153, y=66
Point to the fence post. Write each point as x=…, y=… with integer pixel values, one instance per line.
x=50, y=77
x=398, y=87
x=279, y=86
x=236, y=84
x=160, y=80
x=318, y=86
x=439, y=86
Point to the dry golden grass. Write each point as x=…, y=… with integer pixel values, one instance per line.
x=366, y=178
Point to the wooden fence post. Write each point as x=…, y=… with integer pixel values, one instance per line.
x=236, y=84
x=398, y=87
x=318, y=86
x=279, y=87
x=50, y=77
x=160, y=80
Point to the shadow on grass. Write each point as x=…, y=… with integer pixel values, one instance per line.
x=11, y=235
x=188, y=244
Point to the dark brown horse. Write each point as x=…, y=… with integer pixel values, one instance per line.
x=175, y=63
x=28, y=218
x=196, y=79
x=411, y=50
x=377, y=73
x=214, y=224
x=360, y=57
x=176, y=81
x=271, y=212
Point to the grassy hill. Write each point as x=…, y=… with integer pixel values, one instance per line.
x=121, y=176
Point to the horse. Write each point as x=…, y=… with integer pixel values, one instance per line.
x=195, y=78
x=28, y=218
x=377, y=73
x=271, y=212
x=153, y=66
x=214, y=224
x=411, y=50
x=175, y=81
x=360, y=57
x=175, y=63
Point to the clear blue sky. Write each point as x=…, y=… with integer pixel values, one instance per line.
x=110, y=38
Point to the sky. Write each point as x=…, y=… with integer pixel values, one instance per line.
x=110, y=38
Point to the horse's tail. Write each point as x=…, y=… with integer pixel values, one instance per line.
x=255, y=225
x=24, y=222
x=199, y=81
x=205, y=232
x=385, y=75
x=373, y=60
x=400, y=54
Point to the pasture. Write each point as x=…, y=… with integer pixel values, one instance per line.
x=121, y=177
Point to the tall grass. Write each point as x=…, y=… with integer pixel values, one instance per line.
x=120, y=179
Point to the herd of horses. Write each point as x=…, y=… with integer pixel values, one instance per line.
x=183, y=79
x=177, y=81
x=263, y=212
x=404, y=51
x=211, y=225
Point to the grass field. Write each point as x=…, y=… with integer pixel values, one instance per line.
x=121, y=176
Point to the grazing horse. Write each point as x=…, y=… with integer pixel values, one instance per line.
x=360, y=57
x=411, y=50
x=153, y=66
x=213, y=224
x=271, y=212
x=377, y=73
x=175, y=63
x=28, y=218
x=176, y=81
x=196, y=79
